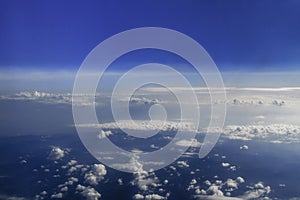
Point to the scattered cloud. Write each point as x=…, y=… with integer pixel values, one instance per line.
x=57, y=153
x=96, y=174
x=104, y=134
x=88, y=192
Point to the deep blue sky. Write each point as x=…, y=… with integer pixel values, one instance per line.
x=239, y=35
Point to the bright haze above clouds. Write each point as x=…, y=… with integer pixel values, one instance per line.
x=257, y=46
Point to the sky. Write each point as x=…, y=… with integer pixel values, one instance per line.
x=239, y=35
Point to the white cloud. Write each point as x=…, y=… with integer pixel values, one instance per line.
x=88, y=192
x=244, y=147
x=188, y=143
x=143, y=125
x=217, y=189
x=225, y=164
x=276, y=133
x=154, y=197
x=57, y=196
x=55, y=98
x=144, y=101
x=57, y=153
x=96, y=174
x=104, y=134
x=182, y=164
x=138, y=196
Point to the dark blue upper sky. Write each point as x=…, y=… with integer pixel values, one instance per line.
x=239, y=35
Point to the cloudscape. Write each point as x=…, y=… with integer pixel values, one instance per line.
x=176, y=100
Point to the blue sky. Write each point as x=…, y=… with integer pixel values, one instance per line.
x=239, y=35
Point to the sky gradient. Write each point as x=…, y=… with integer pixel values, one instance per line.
x=239, y=35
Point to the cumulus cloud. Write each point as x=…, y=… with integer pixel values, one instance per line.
x=188, y=143
x=88, y=192
x=55, y=98
x=244, y=147
x=182, y=163
x=57, y=153
x=144, y=125
x=144, y=101
x=138, y=196
x=154, y=197
x=225, y=164
x=104, y=134
x=274, y=133
x=96, y=174
x=57, y=196
x=223, y=190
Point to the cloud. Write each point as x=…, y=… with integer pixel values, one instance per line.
x=225, y=164
x=7, y=197
x=154, y=197
x=144, y=101
x=144, y=125
x=182, y=164
x=188, y=143
x=96, y=174
x=57, y=196
x=57, y=153
x=56, y=98
x=104, y=134
x=222, y=190
x=88, y=192
x=244, y=147
x=138, y=196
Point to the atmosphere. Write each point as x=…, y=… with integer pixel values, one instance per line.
x=239, y=35
x=150, y=100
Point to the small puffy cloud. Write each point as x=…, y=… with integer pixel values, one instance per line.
x=182, y=164
x=215, y=190
x=57, y=196
x=144, y=101
x=189, y=143
x=225, y=164
x=259, y=185
x=193, y=181
x=231, y=183
x=244, y=147
x=138, y=196
x=88, y=192
x=240, y=179
x=104, y=134
x=96, y=174
x=56, y=153
x=154, y=197
x=23, y=161
x=120, y=181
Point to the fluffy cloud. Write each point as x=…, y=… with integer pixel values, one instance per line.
x=225, y=164
x=188, y=143
x=276, y=133
x=154, y=197
x=244, y=147
x=57, y=153
x=182, y=164
x=143, y=125
x=57, y=196
x=88, y=192
x=104, y=134
x=54, y=98
x=96, y=174
x=222, y=190
x=138, y=196
x=144, y=101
